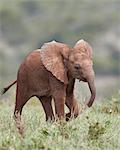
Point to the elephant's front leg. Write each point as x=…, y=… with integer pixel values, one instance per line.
x=71, y=102
x=73, y=106
x=58, y=91
x=59, y=100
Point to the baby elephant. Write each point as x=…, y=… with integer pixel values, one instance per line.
x=50, y=72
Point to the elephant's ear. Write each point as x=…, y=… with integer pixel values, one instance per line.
x=84, y=47
x=52, y=55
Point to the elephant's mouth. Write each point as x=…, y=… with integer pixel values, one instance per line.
x=79, y=75
x=82, y=79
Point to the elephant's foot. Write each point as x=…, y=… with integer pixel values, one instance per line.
x=70, y=116
x=19, y=124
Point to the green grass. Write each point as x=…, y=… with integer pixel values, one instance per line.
x=98, y=128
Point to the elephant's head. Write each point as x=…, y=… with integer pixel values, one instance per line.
x=80, y=64
x=61, y=60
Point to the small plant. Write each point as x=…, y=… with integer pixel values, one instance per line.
x=110, y=109
x=45, y=131
x=111, y=106
x=95, y=131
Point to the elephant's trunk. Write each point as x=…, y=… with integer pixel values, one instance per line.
x=92, y=88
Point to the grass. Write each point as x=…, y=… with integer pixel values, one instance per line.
x=98, y=128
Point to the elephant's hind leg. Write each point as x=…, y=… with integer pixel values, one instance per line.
x=47, y=105
x=21, y=99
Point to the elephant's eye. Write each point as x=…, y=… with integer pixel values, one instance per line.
x=77, y=66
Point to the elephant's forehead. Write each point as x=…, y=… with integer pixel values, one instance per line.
x=86, y=63
x=77, y=56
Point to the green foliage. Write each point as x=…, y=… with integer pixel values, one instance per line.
x=93, y=128
x=95, y=131
x=112, y=105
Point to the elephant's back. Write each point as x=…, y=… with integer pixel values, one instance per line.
x=35, y=66
x=33, y=60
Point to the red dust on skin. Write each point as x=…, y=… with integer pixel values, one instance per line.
x=49, y=73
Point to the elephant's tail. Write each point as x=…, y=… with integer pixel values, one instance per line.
x=7, y=88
